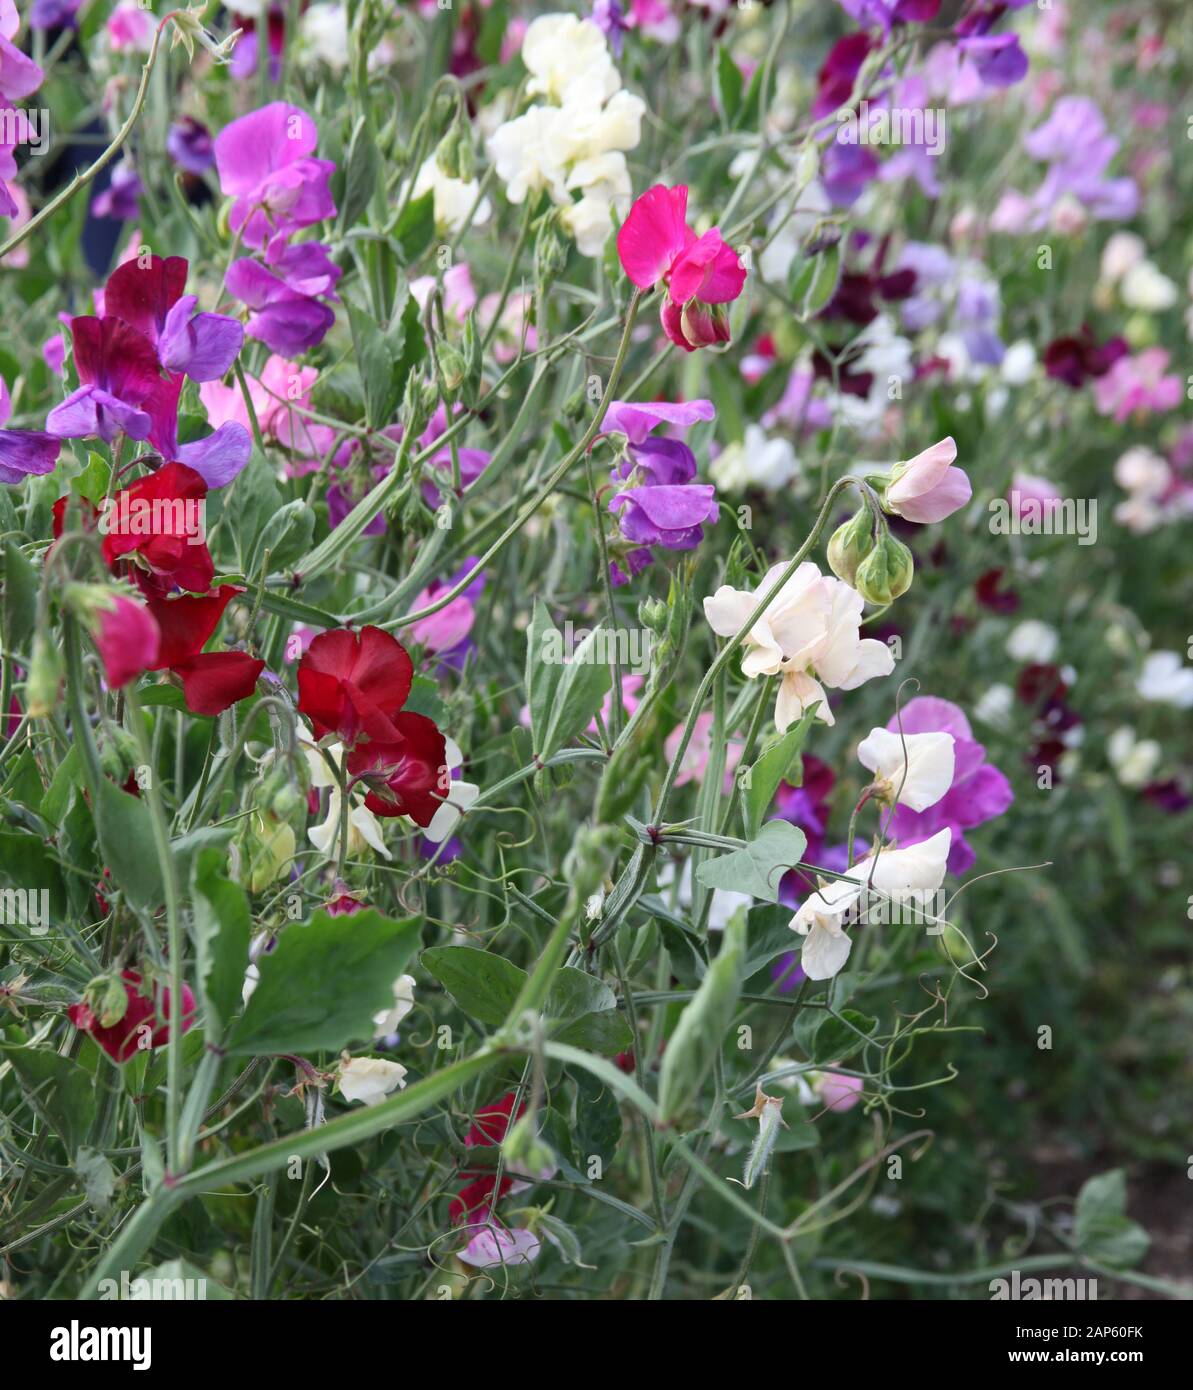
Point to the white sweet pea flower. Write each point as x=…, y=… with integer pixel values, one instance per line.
x=387, y=1020
x=1133, y=759
x=453, y=197
x=369, y=1079
x=809, y=634
x=1167, y=680
x=757, y=461
x=364, y=829
x=913, y=770
x=461, y=795
x=1147, y=288
x=562, y=51
x=1032, y=641
x=919, y=868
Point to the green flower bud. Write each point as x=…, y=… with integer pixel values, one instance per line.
x=452, y=365
x=107, y=999
x=886, y=572
x=653, y=614
x=525, y=1151
x=45, y=675
x=849, y=545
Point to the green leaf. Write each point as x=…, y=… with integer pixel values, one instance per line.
x=323, y=983
x=580, y=689
x=125, y=833
x=542, y=668
x=597, y=1131
x=20, y=599
x=813, y=281
x=221, y=927
x=1102, y=1228
x=768, y=934
x=700, y=1032
x=484, y=985
x=605, y=1033
x=761, y=780
x=575, y=992
x=92, y=481
x=360, y=177
x=827, y=1039
x=727, y=85
x=60, y=1091
x=759, y=867
x=415, y=229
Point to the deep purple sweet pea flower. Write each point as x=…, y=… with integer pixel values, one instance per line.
x=121, y=199
x=834, y=81
x=191, y=145
x=23, y=452
x=264, y=163
x=285, y=320
x=979, y=791
x=997, y=59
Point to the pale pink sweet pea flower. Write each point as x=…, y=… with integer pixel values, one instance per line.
x=1032, y=497
x=1138, y=383
x=501, y=1245
x=837, y=1091
x=695, y=759
x=928, y=488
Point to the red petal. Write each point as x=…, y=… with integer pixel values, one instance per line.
x=216, y=680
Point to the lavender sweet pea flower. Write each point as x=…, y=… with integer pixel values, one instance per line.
x=286, y=320
x=979, y=791
x=191, y=146
x=23, y=452
x=265, y=165
x=883, y=14
x=20, y=76
x=53, y=14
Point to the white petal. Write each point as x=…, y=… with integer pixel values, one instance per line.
x=370, y=829
x=443, y=822
x=824, y=953
x=917, y=778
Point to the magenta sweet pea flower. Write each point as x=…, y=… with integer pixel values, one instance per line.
x=127, y=638
x=701, y=274
x=20, y=76
x=928, y=488
x=118, y=372
x=979, y=791
x=265, y=165
x=1138, y=383
x=23, y=452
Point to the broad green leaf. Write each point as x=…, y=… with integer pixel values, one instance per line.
x=20, y=599
x=544, y=665
x=415, y=229
x=760, y=781
x=575, y=992
x=60, y=1091
x=322, y=984
x=484, y=985
x=813, y=280
x=827, y=1039
x=605, y=1033
x=221, y=927
x=759, y=867
x=727, y=85
x=125, y=833
x=1102, y=1228
x=581, y=688
x=360, y=176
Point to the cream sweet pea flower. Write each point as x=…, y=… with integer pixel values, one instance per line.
x=821, y=918
x=453, y=197
x=809, y=635
x=364, y=829
x=562, y=51
x=914, y=770
x=369, y=1079
x=387, y=1020
x=461, y=795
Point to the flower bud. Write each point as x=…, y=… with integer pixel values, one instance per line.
x=653, y=614
x=886, y=572
x=851, y=542
x=107, y=999
x=45, y=675
x=525, y=1152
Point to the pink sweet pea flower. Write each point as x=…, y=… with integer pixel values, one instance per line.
x=500, y=1245
x=127, y=639
x=695, y=759
x=927, y=487
x=1032, y=498
x=839, y=1092
x=701, y=274
x=1138, y=383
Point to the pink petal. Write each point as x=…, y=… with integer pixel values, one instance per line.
x=653, y=234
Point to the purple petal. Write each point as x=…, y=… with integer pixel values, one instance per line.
x=637, y=421
x=220, y=456
x=26, y=451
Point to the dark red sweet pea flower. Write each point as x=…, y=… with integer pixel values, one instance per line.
x=1074, y=360
x=146, y=1021
x=477, y=1196
x=990, y=593
x=352, y=683
x=406, y=775
x=159, y=518
x=186, y=621
x=492, y=1121
x=834, y=81
x=213, y=681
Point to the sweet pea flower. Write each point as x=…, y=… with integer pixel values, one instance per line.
x=1033, y=498
x=386, y=1022
x=406, y=775
x=701, y=274
x=130, y=28
x=699, y=750
x=458, y=798
x=369, y=1079
x=121, y=200
x=498, y=1245
x=127, y=639
x=928, y=488
x=20, y=76
x=287, y=320
x=1166, y=679
x=145, y=1023
x=23, y=452
x=265, y=165
x=838, y=1091
x=913, y=770
x=809, y=634
x=364, y=830
x=1138, y=383
x=354, y=683
x=190, y=145
x=820, y=920
x=978, y=791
